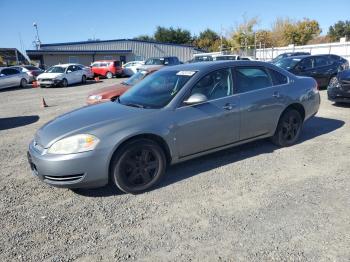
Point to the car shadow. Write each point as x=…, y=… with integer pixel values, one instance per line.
x=313, y=128
x=13, y=122
x=10, y=89
x=344, y=105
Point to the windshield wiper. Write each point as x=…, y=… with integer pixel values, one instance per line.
x=135, y=105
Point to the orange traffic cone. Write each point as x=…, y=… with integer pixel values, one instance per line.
x=35, y=84
x=43, y=103
x=97, y=79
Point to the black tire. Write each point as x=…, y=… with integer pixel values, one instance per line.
x=138, y=166
x=23, y=83
x=288, y=129
x=109, y=75
x=83, y=79
x=64, y=82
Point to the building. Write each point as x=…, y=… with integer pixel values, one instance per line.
x=123, y=50
x=11, y=56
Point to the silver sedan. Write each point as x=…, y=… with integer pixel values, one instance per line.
x=11, y=77
x=176, y=114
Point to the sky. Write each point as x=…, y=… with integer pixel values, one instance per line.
x=78, y=20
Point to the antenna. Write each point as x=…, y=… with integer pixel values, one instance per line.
x=37, y=42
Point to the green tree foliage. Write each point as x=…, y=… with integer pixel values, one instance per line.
x=301, y=32
x=208, y=40
x=339, y=30
x=172, y=35
x=144, y=38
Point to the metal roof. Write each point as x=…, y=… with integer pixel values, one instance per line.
x=117, y=40
x=49, y=51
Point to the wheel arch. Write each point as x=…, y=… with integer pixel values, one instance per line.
x=149, y=136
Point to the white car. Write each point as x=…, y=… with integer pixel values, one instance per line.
x=130, y=68
x=11, y=77
x=63, y=75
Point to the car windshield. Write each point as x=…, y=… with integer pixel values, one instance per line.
x=156, y=90
x=56, y=69
x=287, y=63
x=279, y=57
x=155, y=61
x=135, y=78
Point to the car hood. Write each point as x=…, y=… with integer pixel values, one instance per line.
x=86, y=120
x=49, y=75
x=111, y=91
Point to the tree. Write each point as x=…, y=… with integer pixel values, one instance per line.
x=243, y=35
x=171, y=35
x=339, y=30
x=208, y=40
x=301, y=32
x=265, y=38
x=144, y=38
x=286, y=31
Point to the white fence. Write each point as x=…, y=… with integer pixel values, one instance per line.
x=340, y=48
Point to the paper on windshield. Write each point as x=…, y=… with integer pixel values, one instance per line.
x=186, y=73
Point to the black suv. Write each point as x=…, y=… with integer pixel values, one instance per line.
x=320, y=67
x=285, y=55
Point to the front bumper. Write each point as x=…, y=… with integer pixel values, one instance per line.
x=81, y=170
x=49, y=83
x=338, y=95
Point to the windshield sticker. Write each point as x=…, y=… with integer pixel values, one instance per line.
x=186, y=73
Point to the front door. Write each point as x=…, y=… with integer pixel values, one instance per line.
x=211, y=124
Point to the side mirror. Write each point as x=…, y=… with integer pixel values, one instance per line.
x=196, y=99
x=69, y=71
x=1, y=75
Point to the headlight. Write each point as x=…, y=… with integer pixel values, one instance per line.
x=95, y=97
x=74, y=144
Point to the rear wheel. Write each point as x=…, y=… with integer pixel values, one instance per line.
x=138, y=166
x=23, y=82
x=109, y=75
x=83, y=79
x=288, y=128
x=64, y=82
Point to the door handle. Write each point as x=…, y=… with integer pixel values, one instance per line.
x=276, y=95
x=228, y=106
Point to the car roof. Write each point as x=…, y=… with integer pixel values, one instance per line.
x=305, y=56
x=204, y=66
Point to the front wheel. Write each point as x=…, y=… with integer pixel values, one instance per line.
x=138, y=166
x=109, y=75
x=64, y=82
x=288, y=129
x=83, y=79
x=23, y=83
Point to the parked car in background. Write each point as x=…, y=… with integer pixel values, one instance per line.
x=107, y=68
x=166, y=61
x=339, y=88
x=88, y=71
x=113, y=92
x=130, y=68
x=290, y=54
x=62, y=75
x=320, y=67
x=32, y=71
x=213, y=57
x=173, y=115
x=11, y=77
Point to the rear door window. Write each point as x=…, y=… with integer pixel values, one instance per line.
x=278, y=78
x=307, y=63
x=321, y=61
x=251, y=78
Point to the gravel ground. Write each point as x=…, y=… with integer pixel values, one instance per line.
x=255, y=202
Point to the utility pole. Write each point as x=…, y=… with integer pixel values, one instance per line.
x=37, y=39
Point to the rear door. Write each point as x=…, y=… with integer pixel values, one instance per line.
x=212, y=124
x=260, y=101
x=12, y=77
x=324, y=68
